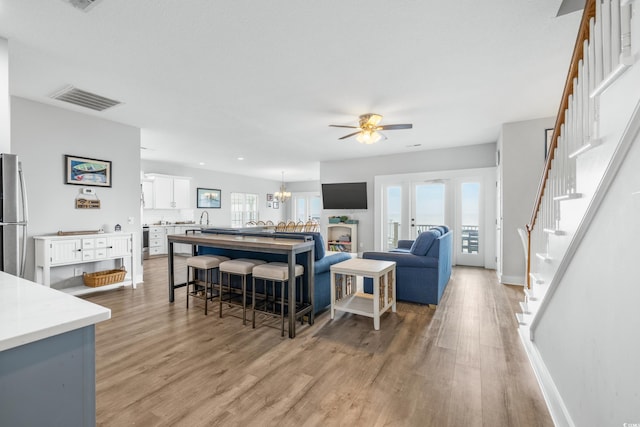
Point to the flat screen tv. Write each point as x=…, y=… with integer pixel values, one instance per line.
x=346, y=195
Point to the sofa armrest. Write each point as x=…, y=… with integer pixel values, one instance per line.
x=403, y=259
x=404, y=244
x=323, y=265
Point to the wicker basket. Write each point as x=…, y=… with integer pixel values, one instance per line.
x=102, y=278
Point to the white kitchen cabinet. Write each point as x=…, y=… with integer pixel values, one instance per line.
x=181, y=193
x=147, y=194
x=54, y=252
x=171, y=192
x=157, y=241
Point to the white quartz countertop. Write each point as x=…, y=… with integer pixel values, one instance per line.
x=30, y=312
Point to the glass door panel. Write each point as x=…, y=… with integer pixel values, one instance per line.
x=468, y=236
x=428, y=207
x=393, y=212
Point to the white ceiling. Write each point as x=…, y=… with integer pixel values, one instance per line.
x=211, y=80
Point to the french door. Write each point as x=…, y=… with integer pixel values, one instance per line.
x=410, y=207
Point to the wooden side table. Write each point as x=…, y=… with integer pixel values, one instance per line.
x=344, y=295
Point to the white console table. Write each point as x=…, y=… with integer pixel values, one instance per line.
x=55, y=251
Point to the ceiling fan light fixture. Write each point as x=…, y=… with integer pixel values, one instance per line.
x=368, y=137
x=370, y=120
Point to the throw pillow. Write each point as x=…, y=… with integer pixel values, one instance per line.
x=422, y=244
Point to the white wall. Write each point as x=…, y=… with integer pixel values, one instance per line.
x=366, y=169
x=588, y=335
x=41, y=136
x=521, y=148
x=227, y=183
x=5, y=117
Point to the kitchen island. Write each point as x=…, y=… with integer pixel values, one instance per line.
x=47, y=355
x=270, y=244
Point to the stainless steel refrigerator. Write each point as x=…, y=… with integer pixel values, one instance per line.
x=13, y=216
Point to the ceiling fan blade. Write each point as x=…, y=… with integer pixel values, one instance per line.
x=395, y=127
x=342, y=126
x=351, y=134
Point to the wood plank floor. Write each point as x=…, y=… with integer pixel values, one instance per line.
x=159, y=364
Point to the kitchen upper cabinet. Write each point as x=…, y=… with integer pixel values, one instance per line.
x=147, y=194
x=181, y=193
x=170, y=192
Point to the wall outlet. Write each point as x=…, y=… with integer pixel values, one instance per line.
x=130, y=220
x=77, y=271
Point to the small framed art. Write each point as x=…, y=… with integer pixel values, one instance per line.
x=208, y=198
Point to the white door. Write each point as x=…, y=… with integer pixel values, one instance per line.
x=428, y=206
x=468, y=235
x=393, y=214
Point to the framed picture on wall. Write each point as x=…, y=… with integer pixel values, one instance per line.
x=276, y=205
x=87, y=172
x=208, y=198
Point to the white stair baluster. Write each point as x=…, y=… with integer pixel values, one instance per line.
x=615, y=33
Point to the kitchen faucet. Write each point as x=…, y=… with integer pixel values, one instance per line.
x=202, y=214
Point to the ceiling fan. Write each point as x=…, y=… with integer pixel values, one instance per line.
x=369, y=128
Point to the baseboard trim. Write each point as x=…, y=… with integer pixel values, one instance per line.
x=552, y=397
x=512, y=280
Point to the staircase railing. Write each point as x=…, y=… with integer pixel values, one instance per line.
x=601, y=53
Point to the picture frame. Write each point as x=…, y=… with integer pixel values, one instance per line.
x=269, y=197
x=548, y=139
x=87, y=172
x=208, y=198
x=276, y=205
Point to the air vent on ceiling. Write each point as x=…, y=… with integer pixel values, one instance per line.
x=84, y=99
x=84, y=5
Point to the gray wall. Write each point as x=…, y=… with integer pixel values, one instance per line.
x=41, y=135
x=521, y=147
x=365, y=169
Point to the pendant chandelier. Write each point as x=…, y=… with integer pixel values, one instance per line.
x=283, y=195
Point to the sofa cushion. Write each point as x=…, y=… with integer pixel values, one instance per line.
x=437, y=230
x=423, y=243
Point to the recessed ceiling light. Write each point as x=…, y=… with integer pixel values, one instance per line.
x=240, y=158
x=201, y=163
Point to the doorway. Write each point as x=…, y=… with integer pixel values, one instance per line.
x=410, y=204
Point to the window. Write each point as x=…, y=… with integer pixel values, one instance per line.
x=244, y=208
x=307, y=206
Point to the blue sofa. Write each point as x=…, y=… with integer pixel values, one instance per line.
x=423, y=266
x=321, y=266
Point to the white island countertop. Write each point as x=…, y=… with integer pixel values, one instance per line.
x=30, y=312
